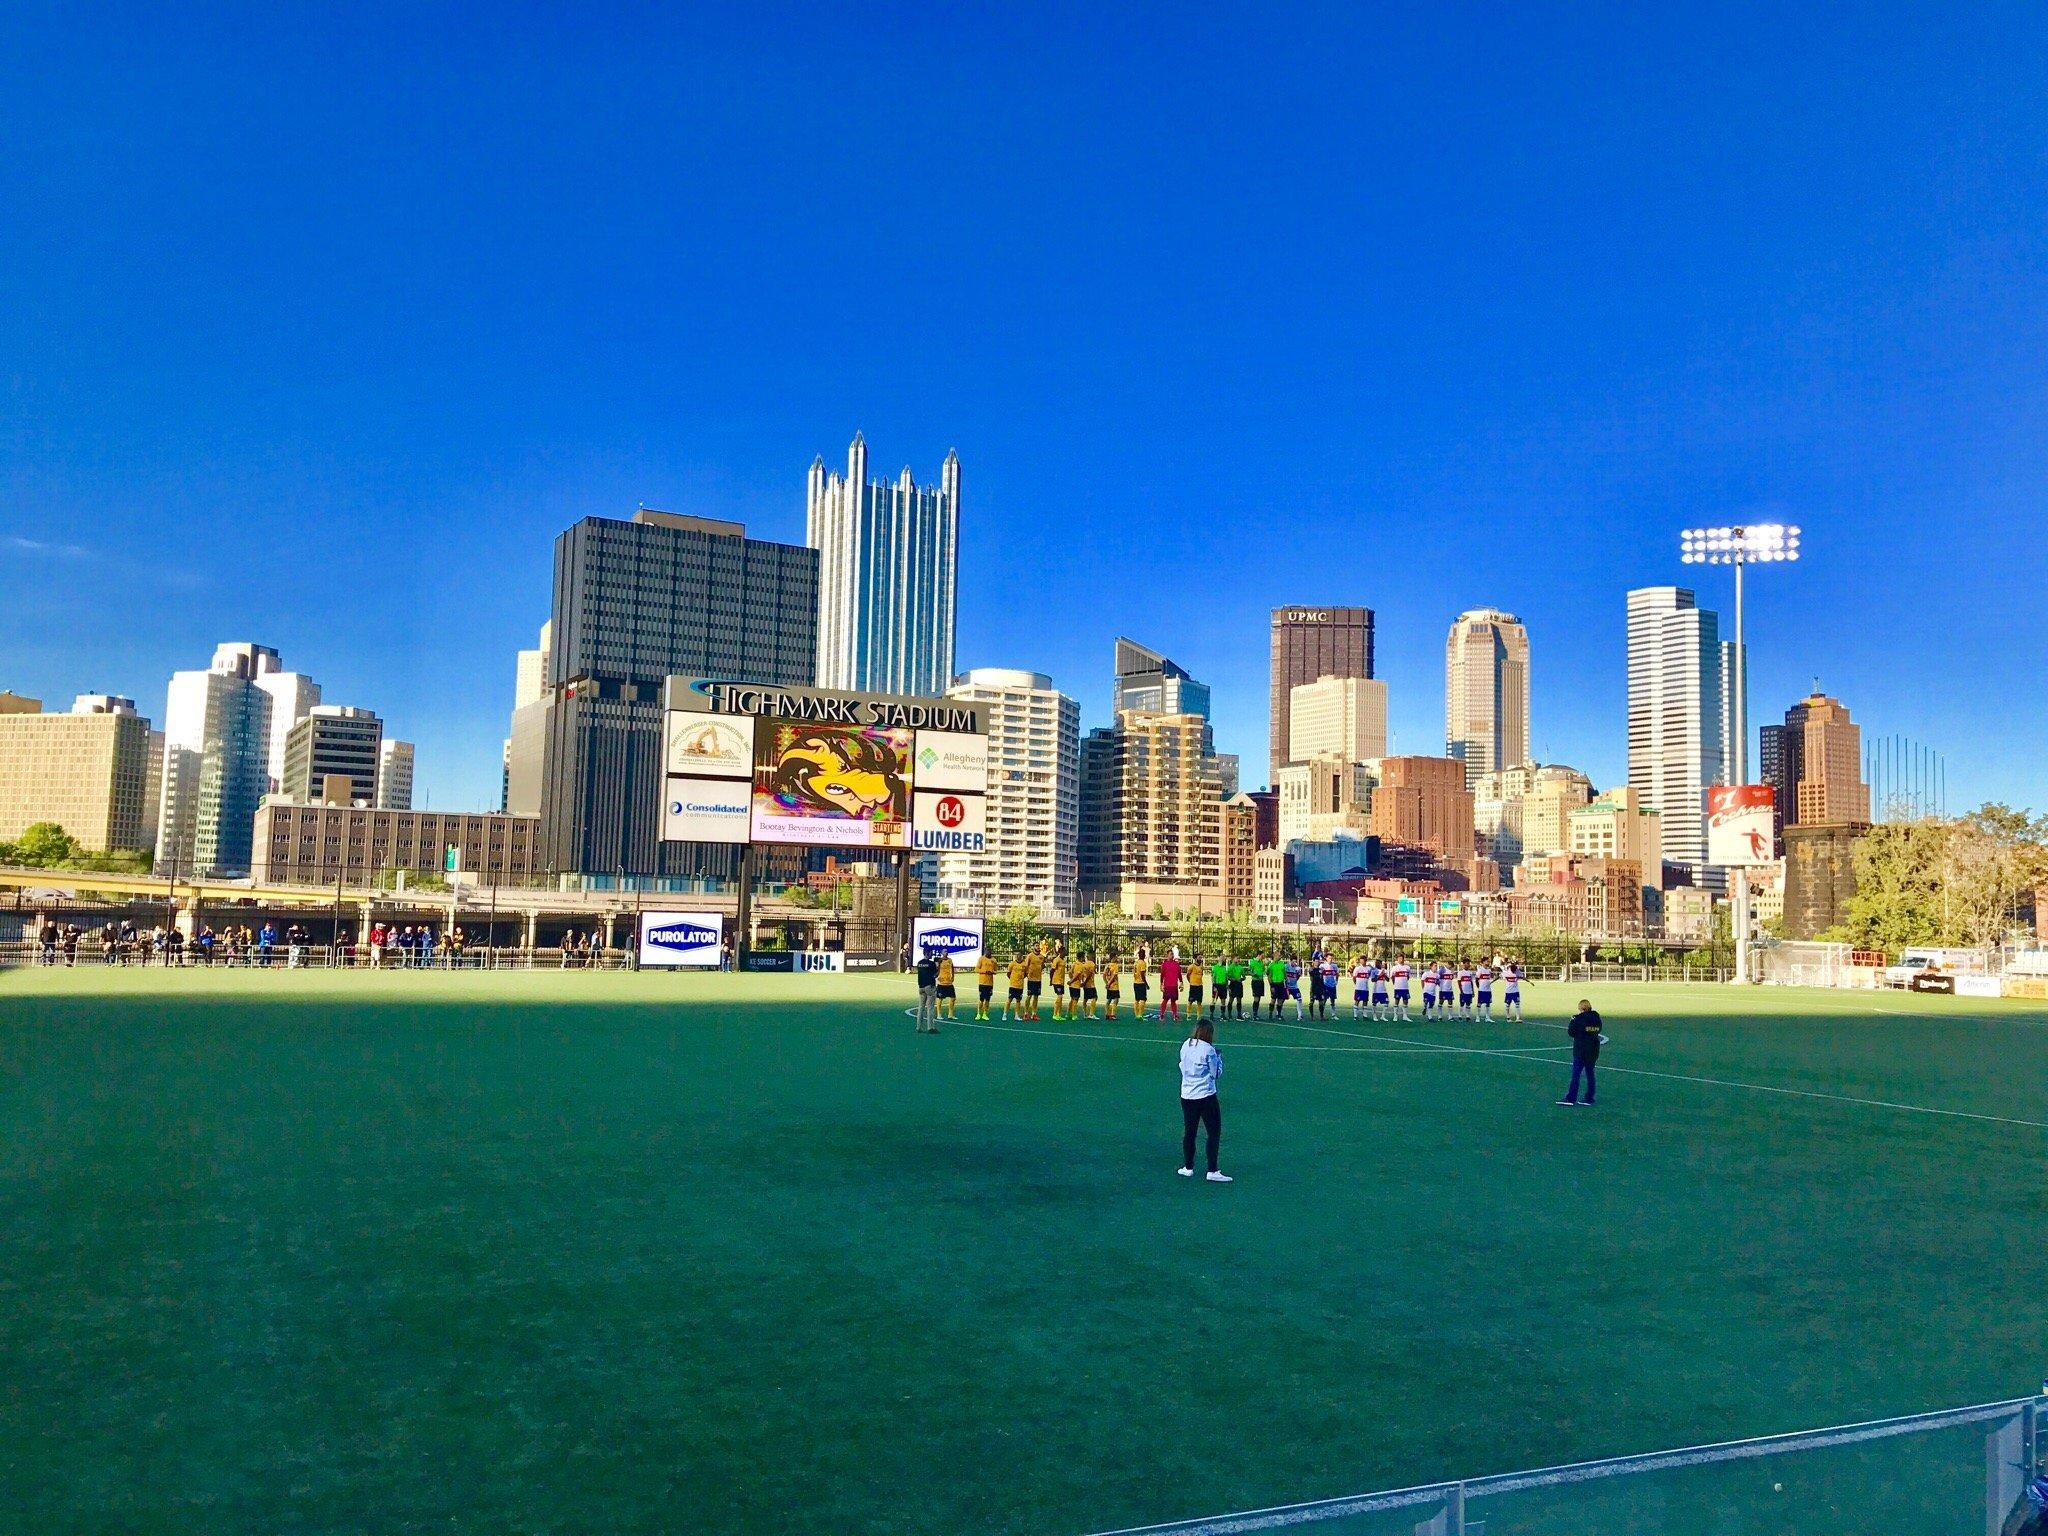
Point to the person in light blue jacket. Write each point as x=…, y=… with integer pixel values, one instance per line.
x=1201, y=1065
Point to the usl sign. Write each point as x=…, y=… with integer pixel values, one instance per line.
x=1740, y=833
x=690, y=940
x=959, y=937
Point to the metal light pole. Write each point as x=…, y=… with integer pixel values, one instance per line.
x=1754, y=544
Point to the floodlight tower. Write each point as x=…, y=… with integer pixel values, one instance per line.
x=1754, y=544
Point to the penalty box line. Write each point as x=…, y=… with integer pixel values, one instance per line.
x=1709, y=1082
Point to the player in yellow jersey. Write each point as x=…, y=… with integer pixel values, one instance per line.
x=984, y=983
x=1034, y=981
x=1140, y=986
x=1056, y=973
x=945, y=993
x=1196, y=975
x=1013, y=1000
x=1110, y=978
x=1081, y=984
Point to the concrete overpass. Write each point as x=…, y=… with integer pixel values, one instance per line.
x=526, y=907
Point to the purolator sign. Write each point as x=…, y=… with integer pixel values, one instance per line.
x=819, y=767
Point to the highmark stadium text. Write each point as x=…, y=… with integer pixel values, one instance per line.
x=828, y=708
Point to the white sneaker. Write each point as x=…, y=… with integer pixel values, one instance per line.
x=1186, y=1173
x=1219, y=1178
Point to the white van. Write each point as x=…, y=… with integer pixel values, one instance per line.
x=1920, y=959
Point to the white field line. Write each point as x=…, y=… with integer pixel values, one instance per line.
x=1725, y=1082
x=1412, y=1049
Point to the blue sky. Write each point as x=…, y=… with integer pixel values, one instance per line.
x=316, y=328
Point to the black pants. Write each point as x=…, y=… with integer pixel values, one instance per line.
x=1194, y=1112
x=1582, y=1066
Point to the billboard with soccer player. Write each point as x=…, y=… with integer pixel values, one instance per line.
x=1740, y=827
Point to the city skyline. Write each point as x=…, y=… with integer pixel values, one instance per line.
x=1381, y=407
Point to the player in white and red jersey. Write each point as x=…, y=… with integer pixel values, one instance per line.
x=1361, y=985
x=1484, y=978
x=1511, y=982
x=1401, y=990
x=1464, y=991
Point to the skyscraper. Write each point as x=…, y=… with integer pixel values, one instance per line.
x=216, y=763
x=1152, y=814
x=292, y=696
x=1034, y=797
x=634, y=603
x=1486, y=692
x=1829, y=789
x=1147, y=680
x=1675, y=714
x=394, y=775
x=335, y=739
x=87, y=771
x=1309, y=643
x=1423, y=802
x=887, y=557
x=1338, y=717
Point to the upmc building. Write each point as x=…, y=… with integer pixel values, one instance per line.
x=1308, y=643
x=746, y=763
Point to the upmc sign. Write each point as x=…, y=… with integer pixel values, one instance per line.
x=1307, y=616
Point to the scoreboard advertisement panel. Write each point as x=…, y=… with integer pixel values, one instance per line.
x=822, y=768
x=831, y=786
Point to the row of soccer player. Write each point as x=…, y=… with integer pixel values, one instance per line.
x=1231, y=988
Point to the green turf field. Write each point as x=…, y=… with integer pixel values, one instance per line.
x=571, y=1252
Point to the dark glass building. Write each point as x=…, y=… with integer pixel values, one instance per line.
x=636, y=602
x=1309, y=643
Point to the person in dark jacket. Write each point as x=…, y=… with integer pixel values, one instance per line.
x=928, y=993
x=1586, y=1037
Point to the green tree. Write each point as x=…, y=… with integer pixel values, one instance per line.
x=1898, y=898
x=1106, y=930
x=1993, y=861
x=1014, y=930
x=45, y=845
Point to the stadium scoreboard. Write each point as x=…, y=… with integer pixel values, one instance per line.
x=824, y=768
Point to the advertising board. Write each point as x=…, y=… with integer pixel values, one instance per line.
x=832, y=786
x=822, y=768
x=681, y=940
x=707, y=784
x=1740, y=827
x=959, y=937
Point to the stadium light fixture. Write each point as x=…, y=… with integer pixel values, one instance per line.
x=1749, y=544
x=1741, y=545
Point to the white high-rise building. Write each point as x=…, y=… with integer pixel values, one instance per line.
x=1034, y=797
x=887, y=558
x=394, y=775
x=292, y=695
x=1676, y=710
x=1341, y=717
x=530, y=680
x=1486, y=692
x=216, y=764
